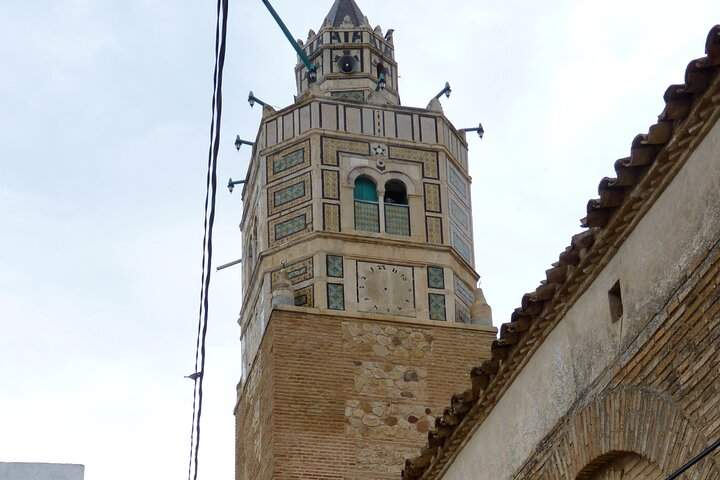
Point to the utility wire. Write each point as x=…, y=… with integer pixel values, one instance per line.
x=210, y=195
x=695, y=460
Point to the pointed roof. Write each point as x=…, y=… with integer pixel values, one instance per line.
x=342, y=9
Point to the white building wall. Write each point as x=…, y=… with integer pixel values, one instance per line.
x=650, y=266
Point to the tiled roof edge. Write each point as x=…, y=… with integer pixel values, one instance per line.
x=690, y=110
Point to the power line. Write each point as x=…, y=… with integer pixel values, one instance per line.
x=209, y=221
x=695, y=460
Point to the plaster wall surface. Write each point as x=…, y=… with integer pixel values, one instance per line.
x=650, y=265
x=41, y=471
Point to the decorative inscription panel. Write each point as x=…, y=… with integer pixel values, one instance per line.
x=287, y=161
x=289, y=194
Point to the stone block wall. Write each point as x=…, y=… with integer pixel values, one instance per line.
x=348, y=396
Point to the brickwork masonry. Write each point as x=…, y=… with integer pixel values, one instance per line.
x=348, y=398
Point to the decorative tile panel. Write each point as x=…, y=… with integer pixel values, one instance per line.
x=336, y=296
x=464, y=297
x=397, y=220
x=353, y=96
x=304, y=297
x=459, y=215
x=291, y=193
x=457, y=182
x=367, y=218
x=297, y=272
x=462, y=247
x=288, y=194
x=433, y=229
x=287, y=161
x=462, y=313
x=428, y=158
x=331, y=217
x=331, y=184
x=432, y=197
x=290, y=226
x=436, y=277
x=334, y=264
x=463, y=291
x=437, y=306
x=331, y=147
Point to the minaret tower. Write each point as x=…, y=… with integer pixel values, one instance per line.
x=358, y=269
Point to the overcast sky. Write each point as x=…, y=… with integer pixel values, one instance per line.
x=104, y=130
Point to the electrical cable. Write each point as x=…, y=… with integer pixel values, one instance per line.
x=209, y=221
x=695, y=460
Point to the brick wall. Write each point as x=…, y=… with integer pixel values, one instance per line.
x=348, y=397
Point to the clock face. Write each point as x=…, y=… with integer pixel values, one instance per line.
x=384, y=288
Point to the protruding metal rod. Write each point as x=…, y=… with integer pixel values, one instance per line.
x=479, y=129
x=695, y=460
x=445, y=91
x=240, y=142
x=231, y=184
x=230, y=264
x=312, y=69
x=252, y=100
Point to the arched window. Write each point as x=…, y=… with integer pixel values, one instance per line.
x=367, y=213
x=397, y=213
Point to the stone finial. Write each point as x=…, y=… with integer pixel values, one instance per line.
x=282, y=293
x=267, y=110
x=480, y=312
x=378, y=98
x=435, y=105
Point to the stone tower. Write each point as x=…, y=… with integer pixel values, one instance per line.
x=358, y=269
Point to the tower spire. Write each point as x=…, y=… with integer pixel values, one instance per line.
x=345, y=13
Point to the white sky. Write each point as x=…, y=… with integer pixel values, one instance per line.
x=104, y=130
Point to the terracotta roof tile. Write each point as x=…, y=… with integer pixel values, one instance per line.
x=654, y=159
